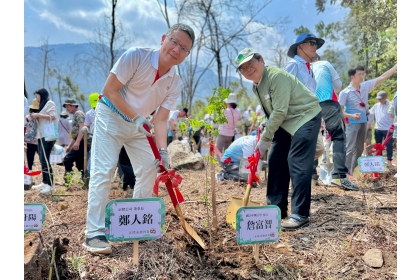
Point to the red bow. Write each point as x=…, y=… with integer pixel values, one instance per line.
x=174, y=179
x=252, y=166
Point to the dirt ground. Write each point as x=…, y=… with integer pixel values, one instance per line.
x=343, y=226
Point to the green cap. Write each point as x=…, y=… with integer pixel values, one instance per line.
x=244, y=56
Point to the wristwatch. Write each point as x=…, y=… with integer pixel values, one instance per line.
x=163, y=150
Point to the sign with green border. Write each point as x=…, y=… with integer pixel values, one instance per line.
x=135, y=219
x=371, y=164
x=257, y=224
x=34, y=216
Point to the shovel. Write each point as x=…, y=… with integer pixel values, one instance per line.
x=238, y=202
x=85, y=173
x=172, y=195
x=326, y=167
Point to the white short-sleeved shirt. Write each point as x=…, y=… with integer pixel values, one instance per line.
x=90, y=120
x=382, y=117
x=174, y=116
x=297, y=67
x=136, y=69
x=327, y=80
x=351, y=99
x=49, y=109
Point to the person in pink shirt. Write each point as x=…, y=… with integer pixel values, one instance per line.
x=227, y=130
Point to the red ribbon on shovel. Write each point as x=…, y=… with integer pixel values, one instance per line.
x=169, y=176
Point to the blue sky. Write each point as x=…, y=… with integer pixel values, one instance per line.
x=74, y=21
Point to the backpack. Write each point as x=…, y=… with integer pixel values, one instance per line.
x=30, y=134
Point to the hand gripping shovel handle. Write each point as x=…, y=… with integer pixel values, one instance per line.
x=162, y=167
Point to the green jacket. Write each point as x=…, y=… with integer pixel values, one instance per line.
x=286, y=102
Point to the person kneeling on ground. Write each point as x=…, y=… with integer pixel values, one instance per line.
x=240, y=149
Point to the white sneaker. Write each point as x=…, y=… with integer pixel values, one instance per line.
x=47, y=190
x=395, y=175
x=39, y=187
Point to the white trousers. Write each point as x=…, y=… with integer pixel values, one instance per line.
x=111, y=133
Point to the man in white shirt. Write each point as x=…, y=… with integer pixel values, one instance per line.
x=384, y=121
x=173, y=122
x=141, y=80
x=354, y=102
x=328, y=82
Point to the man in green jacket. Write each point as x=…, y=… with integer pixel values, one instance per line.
x=294, y=120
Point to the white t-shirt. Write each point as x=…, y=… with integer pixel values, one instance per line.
x=136, y=69
x=90, y=120
x=382, y=117
x=49, y=109
x=241, y=148
x=174, y=116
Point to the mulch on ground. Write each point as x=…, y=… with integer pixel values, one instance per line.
x=343, y=226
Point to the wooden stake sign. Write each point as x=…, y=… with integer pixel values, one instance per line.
x=34, y=216
x=134, y=220
x=256, y=225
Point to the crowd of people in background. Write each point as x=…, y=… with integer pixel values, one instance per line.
x=299, y=107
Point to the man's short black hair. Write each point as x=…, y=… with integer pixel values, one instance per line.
x=185, y=110
x=353, y=69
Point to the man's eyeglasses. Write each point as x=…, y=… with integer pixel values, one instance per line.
x=175, y=43
x=311, y=43
x=245, y=68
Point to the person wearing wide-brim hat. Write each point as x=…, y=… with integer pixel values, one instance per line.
x=70, y=101
x=227, y=130
x=294, y=120
x=301, y=53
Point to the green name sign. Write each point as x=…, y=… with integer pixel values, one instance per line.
x=257, y=224
x=34, y=216
x=134, y=219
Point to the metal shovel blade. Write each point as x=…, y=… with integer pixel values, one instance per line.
x=234, y=205
x=189, y=229
x=325, y=170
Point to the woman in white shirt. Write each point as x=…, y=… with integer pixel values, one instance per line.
x=47, y=113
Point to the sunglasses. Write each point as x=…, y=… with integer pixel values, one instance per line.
x=311, y=43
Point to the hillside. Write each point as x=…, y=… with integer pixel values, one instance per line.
x=62, y=57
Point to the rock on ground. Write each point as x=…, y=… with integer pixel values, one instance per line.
x=373, y=258
x=180, y=156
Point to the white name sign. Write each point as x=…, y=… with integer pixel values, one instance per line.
x=34, y=216
x=371, y=164
x=134, y=219
x=257, y=224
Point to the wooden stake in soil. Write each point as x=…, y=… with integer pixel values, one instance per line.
x=256, y=249
x=213, y=188
x=136, y=252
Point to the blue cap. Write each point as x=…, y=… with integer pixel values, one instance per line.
x=302, y=38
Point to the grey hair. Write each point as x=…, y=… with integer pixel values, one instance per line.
x=183, y=27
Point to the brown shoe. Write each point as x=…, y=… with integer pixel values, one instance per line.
x=294, y=222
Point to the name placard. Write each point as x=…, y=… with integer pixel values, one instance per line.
x=34, y=216
x=134, y=219
x=371, y=164
x=257, y=224
x=244, y=163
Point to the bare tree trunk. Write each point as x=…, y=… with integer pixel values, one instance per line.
x=113, y=30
